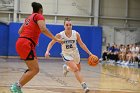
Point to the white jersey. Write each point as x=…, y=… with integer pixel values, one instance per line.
x=70, y=43
x=69, y=47
x=135, y=49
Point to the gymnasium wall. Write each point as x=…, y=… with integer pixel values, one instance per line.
x=120, y=37
x=69, y=7
x=4, y=37
x=91, y=36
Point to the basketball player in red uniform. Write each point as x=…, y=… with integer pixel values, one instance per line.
x=26, y=43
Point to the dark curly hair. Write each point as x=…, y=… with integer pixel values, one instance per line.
x=36, y=6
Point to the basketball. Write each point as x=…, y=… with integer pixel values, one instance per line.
x=93, y=60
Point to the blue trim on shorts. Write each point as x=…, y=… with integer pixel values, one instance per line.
x=64, y=58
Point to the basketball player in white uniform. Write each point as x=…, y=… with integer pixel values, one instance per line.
x=70, y=51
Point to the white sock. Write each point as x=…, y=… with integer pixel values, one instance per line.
x=18, y=84
x=84, y=85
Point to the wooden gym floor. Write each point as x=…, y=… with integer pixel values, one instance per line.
x=104, y=78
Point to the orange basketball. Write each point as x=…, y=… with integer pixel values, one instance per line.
x=93, y=60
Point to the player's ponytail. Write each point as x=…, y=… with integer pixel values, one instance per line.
x=36, y=6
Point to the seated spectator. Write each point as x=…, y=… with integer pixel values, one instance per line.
x=105, y=52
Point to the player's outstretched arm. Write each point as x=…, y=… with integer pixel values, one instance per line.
x=45, y=31
x=82, y=45
x=50, y=45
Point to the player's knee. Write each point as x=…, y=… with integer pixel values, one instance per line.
x=35, y=70
x=75, y=70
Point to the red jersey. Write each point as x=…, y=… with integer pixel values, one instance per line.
x=30, y=28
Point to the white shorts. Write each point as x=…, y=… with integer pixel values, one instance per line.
x=71, y=56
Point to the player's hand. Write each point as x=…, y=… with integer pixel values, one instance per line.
x=47, y=55
x=90, y=54
x=60, y=41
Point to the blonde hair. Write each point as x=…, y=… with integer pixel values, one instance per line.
x=66, y=19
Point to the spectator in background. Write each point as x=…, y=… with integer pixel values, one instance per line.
x=105, y=53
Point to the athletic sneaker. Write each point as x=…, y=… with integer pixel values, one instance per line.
x=127, y=63
x=65, y=71
x=86, y=89
x=15, y=89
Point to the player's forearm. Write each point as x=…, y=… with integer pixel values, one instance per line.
x=84, y=47
x=50, y=45
x=45, y=31
x=49, y=34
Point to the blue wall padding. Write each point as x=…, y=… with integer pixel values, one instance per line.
x=56, y=49
x=4, y=39
x=96, y=46
x=13, y=35
x=91, y=36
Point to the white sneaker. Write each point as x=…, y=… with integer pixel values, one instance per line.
x=118, y=62
x=65, y=71
x=126, y=63
x=132, y=64
x=123, y=62
x=86, y=89
x=100, y=59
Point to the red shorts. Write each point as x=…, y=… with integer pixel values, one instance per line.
x=26, y=49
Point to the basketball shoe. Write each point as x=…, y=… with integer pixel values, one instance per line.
x=85, y=87
x=65, y=71
x=15, y=89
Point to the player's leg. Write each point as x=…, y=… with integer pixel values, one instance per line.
x=75, y=68
x=33, y=69
x=73, y=64
x=65, y=70
x=66, y=57
x=69, y=69
x=26, y=51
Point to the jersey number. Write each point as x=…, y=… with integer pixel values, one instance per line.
x=69, y=46
x=27, y=21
